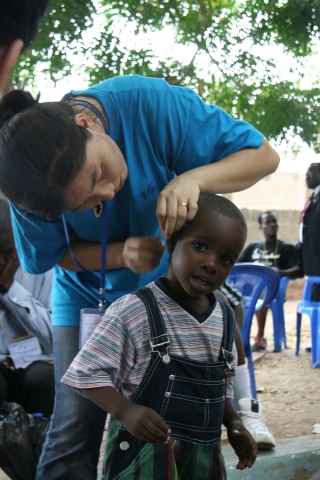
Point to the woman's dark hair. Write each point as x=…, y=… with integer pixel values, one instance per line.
x=5, y=220
x=41, y=151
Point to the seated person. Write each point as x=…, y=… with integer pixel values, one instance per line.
x=26, y=351
x=169, y=397
x=274, y=253
x=250, y=410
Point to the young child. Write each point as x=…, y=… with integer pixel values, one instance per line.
x=161, y=360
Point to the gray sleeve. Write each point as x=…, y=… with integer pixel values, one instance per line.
x=39, y=286
x=23, y=313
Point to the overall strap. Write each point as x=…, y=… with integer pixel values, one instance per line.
x=229, y=325
x=160, y=342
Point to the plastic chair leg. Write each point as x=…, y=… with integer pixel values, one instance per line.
x=299, y=315
x=252, y=378
x=283, y=330
x=315, y=337
x=278, y=324
x=318, y=340
x=279, y=328
x=250, y=365
x=284, y=335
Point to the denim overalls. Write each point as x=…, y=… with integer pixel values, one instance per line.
x=190, y=397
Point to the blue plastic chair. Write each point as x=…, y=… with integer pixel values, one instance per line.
x=251, y=279
x=276, y=306
x=312, y=309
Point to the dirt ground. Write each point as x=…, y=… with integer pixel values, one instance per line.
x=288, y=387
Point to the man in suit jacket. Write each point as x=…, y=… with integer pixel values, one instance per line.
x=310, y=228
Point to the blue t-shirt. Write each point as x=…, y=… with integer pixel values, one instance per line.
x=162, y=131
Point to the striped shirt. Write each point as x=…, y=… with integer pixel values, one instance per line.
x=233, y=296
x=118, y=352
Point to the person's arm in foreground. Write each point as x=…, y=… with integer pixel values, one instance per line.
x=140, y=254
x=234, y=173
x=142, y=422
x=239, y=437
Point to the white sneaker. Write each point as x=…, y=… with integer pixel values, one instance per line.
x=250, y=412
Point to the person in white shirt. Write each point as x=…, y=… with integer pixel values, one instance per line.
x=26, y=351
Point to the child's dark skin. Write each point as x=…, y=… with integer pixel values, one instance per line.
x=202, y=256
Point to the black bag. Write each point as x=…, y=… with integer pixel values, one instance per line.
x=21, y=439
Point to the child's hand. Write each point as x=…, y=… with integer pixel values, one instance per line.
x=145, y=424
x=243, y=444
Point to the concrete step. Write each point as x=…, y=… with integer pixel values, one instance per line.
x=293, y=459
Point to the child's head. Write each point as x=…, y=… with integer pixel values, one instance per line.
x=204, y=251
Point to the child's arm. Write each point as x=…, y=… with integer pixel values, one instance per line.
x=239, y=437
x=142, y=422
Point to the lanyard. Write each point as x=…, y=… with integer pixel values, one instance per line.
x=102, y=291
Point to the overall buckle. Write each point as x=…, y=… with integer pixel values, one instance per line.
x=159, y=342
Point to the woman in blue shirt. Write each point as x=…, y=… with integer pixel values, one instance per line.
x=149, y=149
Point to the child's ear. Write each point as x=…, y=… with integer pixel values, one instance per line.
x=171, y=242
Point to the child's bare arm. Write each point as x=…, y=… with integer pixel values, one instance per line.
x=142, y=422
x=239, y=437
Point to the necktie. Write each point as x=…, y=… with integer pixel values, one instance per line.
x=303, y=213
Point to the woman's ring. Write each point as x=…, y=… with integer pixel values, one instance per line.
x=183, y=205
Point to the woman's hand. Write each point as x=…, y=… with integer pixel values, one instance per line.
x=178, y=203
x=234, y=173
x=142, y=254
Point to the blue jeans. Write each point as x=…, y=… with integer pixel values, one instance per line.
x=72, y=445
